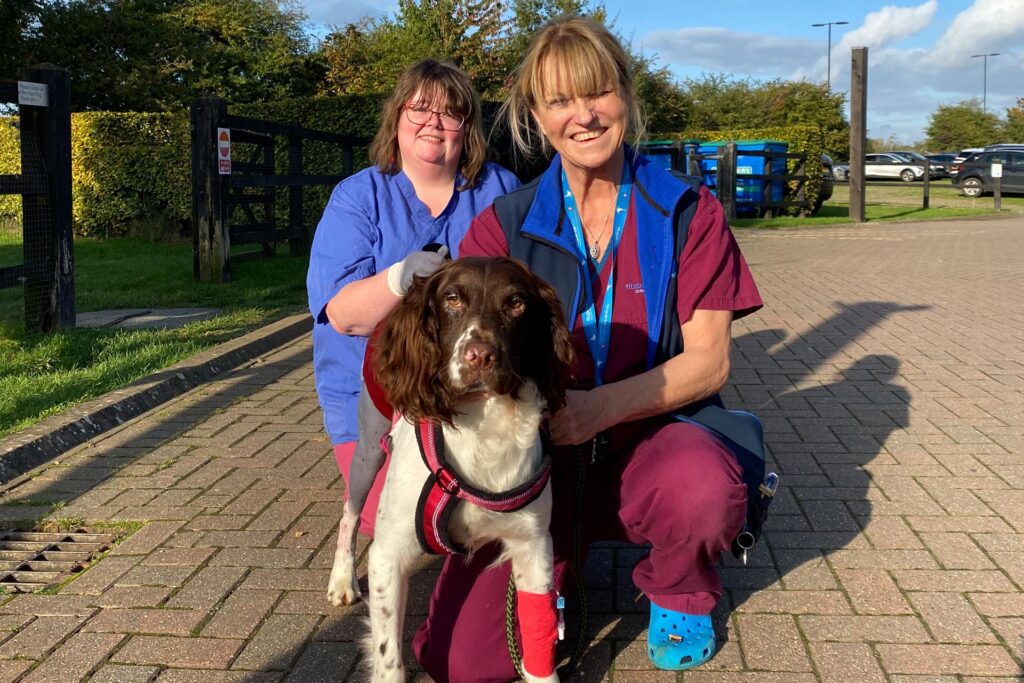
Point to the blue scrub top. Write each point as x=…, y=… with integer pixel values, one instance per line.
x=372, y=221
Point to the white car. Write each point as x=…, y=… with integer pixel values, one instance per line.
x=892, y=165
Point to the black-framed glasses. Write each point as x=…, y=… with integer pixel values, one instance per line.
x=420, y=115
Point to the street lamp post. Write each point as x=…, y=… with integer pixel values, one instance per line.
x=830, y=24
x=984, y=77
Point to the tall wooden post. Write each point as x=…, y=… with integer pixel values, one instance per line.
x=858, y=130
x=46, y=147
x=726, y=180
x=211, y=248
x=298, y=238
x=927, y=186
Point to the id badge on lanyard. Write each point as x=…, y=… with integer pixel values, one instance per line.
x=597, y=326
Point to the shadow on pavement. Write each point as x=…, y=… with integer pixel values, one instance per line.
x=828, y=411
x=820, y=433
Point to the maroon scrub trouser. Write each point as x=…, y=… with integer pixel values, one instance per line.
x=677, y=488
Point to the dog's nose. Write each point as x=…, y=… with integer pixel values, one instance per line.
x=479, y=355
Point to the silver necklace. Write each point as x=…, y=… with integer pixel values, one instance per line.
x=595, y=247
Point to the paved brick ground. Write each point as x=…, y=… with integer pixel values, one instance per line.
x=888, y=367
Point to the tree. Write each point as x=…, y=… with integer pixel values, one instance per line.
x=1013, y=129
x=483, y=39
x=721, y=102
x=121, y=56
x=243, y=50
x=955, y=126
x=793, y=103
x=150, y=55
x=16, y=21
x=665, y=104
x=369, y=57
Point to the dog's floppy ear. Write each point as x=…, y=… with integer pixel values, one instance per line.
x=407, y=359
x=554, y=365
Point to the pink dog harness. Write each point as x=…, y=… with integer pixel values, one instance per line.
x=443, y=489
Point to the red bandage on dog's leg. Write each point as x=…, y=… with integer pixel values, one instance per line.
x=539, y=626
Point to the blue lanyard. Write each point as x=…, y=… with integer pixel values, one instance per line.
x=596, y=329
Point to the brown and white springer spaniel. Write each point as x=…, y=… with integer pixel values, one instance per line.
x=482, y=349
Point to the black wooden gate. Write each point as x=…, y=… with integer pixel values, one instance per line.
x=234, y=200
x=47, y=269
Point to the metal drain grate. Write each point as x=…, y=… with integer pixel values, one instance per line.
x=30, y=560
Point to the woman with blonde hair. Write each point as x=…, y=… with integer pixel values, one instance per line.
x=430, y=177
x=651, y=279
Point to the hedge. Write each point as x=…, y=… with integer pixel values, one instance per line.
x=131, y=171
x=10, y=163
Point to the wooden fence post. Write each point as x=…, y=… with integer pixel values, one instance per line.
x=927, y=176
x=858, y=130
x=298, y=242
x=726, y=180
x=50, y=293
x=211, y=247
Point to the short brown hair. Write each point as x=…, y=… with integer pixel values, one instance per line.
x=588, y=54
x=436, y=82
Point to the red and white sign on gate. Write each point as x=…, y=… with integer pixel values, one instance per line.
x=224, y=151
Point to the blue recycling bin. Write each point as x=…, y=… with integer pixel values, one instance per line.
x=749, y=191
x=669, y=154
x=664, y=153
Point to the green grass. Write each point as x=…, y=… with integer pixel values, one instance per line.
x=43, y=374
x=893, y=202
x=943, y=194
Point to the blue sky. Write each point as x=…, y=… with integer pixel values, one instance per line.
x=919, y=52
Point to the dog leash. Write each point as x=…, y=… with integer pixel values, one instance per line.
x=578, y=578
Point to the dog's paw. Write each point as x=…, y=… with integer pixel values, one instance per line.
x=343, y=594
x=342, y=588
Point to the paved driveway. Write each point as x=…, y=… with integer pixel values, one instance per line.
x=888, y=366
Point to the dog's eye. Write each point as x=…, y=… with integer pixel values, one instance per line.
x=452, y=299
x=516, y=302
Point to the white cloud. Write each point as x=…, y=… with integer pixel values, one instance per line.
x=905, y=85
x=889, y=25
x=986, y=26
x=718, y=49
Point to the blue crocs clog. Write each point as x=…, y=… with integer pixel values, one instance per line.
x=678, y=641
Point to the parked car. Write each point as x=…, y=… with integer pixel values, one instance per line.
x=841, y=172
x=892, y=165
x=975, y=174
x=964, y=153
x=827, y=183
x=943, y=162
x=938, y=170
x=1017, y=146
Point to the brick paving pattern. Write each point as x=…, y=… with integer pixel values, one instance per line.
x=888, y=367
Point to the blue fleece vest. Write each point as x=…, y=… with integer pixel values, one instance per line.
x=533, y=221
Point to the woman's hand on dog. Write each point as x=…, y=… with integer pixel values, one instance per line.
x=583, y=417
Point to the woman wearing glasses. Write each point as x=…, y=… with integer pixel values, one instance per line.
x=429, y=178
